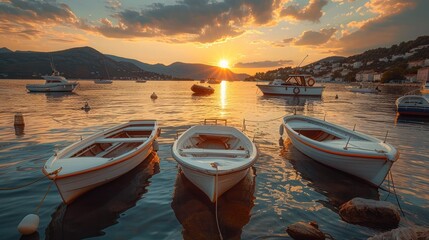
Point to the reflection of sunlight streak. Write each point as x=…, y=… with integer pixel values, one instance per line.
x=223, y=94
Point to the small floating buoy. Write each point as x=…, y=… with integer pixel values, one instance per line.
x=155, y=146
x=281, y=130
x=336, y=96
x=29, y=224
x=153, y=96
x=86, y=107
x=19, y=119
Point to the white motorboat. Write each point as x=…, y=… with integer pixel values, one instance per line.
x=294, y=85
x=200, y=89
x=53, y=83
x=214, y=157
x=103, y=81
x=101, y=158
x=141, y=81
x=213, y=81
x=417, y=105
x=349, y=151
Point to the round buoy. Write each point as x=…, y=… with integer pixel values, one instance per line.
x=19, y=119
x=153, y=96
x=281, y=130
x=155, y=146
x=29, y=224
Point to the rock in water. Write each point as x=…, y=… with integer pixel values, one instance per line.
x=29, y=224
x=370, y=212
x=406, y=233
x=305, y=231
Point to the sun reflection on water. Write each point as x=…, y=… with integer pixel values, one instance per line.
x=223, y=94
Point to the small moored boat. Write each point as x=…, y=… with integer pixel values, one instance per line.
x=294, y=85
x=214, y=157
x=417, y=105
x=365, y=89
x=103, y=81
x=200, y=89
x=101, y=157
x=352, y=152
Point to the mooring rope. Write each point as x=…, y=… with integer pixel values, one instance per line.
x=396, y=196
x=216, y=198
x=30, y=183
x=46, y=194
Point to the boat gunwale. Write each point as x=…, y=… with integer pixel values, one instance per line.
x=109, y=161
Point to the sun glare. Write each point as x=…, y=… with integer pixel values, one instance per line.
x=223, y=63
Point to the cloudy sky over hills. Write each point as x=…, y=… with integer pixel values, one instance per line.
x=252, y=35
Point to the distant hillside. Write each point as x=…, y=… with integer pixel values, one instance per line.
x=5, y=50
x=332, y=59
x=185, y=70
x=82, y=62
x=379, y=60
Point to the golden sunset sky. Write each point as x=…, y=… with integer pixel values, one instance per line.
x=249, y=35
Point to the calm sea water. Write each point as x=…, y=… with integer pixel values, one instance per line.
x=155, y=201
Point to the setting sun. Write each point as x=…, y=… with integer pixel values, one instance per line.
x=223, y=63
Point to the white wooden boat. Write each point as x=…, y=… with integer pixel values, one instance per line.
x=352, y=152
x=101, y=158
x=53, y=83
x=417, y=105
x=214, y=157
x=294, y=85
x=200, y=89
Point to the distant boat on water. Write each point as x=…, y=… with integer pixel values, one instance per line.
x=362, y=88
x=104, y=81
x=200, y=89
x=294, y=85
x=416, y=105
x=53, y=83
x=141, y=81
x=213, y=81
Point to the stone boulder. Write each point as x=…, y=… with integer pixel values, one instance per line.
x=305, y=231
x=372, y=213
x=404, y=233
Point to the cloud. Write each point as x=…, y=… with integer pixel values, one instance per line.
x=315, y=38
x=390, y=28
x=263, y=64
x=29, y=19
x=201, y=21
x=113, y=5
x=312, y=12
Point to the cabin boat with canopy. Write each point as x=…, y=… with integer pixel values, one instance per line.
x=53, y=83
x=294, y=85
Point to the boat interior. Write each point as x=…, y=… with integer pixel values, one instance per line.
x=317, y=134
x=117, y=143
x=205, y=145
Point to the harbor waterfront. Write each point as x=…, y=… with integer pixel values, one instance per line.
x=156, y=201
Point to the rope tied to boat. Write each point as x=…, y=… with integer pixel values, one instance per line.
x=32, y=182
x=216, y=166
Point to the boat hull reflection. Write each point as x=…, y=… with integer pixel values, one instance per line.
x=197, y=214
x=100, y=208
x=337, y=186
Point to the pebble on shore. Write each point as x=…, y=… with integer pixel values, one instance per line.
x=370, y=213
x=305, y=231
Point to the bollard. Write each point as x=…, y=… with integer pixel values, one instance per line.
x=19, y=120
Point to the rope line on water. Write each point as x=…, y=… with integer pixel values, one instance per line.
x=46, y=194
x=396, y=196
x=30, y=183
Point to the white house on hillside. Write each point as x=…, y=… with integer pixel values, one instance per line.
x=357, y=65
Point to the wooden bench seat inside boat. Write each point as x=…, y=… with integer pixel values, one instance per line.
x=130, y=129
x=215, y=151
x=317, y=134
x=123, y=140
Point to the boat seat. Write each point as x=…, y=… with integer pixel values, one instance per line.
x=215, y=151
x=124, y=140
x=138, y=129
